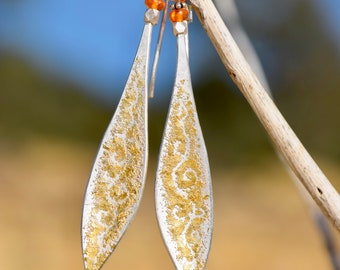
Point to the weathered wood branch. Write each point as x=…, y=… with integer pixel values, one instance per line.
x=283, y=137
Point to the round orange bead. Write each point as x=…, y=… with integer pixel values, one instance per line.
x=179, y=15
x=155, y=4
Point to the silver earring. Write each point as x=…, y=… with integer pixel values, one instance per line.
x=183, y=182
x=117, y=179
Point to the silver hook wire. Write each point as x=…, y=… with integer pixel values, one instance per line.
x=158, y=51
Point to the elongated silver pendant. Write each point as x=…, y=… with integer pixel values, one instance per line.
x=183, y=183
x=117, y=179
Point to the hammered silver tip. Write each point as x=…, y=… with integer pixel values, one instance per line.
x=179, y=28
x=151, y=16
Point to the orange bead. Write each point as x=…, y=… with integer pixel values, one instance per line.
x=179, y=15
x=155, y=4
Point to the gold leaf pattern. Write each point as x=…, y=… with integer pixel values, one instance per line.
x=183, y=184
x=117, y=180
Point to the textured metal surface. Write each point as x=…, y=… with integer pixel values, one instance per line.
x=118, y=175
x=183, y=182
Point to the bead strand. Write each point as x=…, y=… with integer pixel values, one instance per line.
x=179, y=12
x=155, y=4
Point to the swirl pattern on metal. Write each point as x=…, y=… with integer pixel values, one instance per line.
x=183, y=183
x=116, y=183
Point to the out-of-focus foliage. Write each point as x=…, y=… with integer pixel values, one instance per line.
x=32, y=105
x=307, y=90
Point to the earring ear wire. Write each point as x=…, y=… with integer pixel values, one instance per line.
x=158, y=51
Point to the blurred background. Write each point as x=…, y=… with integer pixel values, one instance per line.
x=63, y=66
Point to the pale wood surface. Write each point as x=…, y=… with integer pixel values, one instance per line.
x=283, y=137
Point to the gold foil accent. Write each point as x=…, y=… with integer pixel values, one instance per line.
x=116, y=183
x=183, y=185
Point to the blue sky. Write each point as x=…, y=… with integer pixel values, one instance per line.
x=93, y=42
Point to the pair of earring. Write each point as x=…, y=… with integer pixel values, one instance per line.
x=183, y=184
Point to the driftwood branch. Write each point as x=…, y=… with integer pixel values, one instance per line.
x=283, y=137
x=230, y=16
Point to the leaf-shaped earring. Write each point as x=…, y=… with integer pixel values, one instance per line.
x=117, y=179
x=183, y=183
